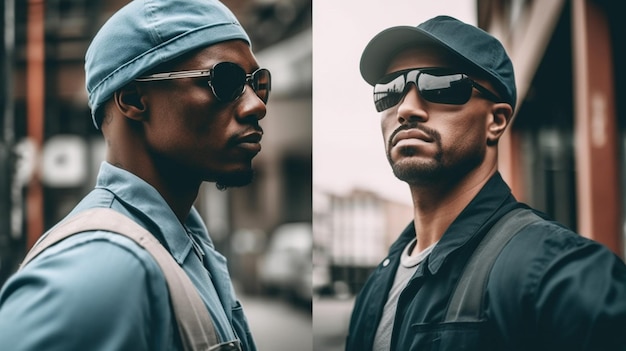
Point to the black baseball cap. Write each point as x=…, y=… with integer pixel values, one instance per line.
x=472, y=45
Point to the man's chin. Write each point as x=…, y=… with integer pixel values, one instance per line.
x=234, y=179
x=417, y=175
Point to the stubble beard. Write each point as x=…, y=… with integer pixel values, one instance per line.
x=238, y=178
x=438, y=169
x=415, y=171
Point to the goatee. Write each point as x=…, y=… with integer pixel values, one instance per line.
x=233, y=179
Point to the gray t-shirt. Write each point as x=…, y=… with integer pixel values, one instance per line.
x=406, y=268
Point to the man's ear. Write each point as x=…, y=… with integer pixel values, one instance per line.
x=501, y=116
x=130, y=101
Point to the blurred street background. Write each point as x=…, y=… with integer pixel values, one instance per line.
x=50, y=152
x=277, y=325
x=330, y=322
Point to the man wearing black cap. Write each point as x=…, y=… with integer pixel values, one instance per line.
x=178, y=94
x=475, y=269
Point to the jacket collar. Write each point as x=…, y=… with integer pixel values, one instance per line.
x=491, y=202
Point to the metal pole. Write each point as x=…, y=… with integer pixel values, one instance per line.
x=35, y=100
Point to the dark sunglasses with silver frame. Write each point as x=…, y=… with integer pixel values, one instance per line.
x=227, y=80
x=437, y=85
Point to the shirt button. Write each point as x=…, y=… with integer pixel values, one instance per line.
x=386, y=262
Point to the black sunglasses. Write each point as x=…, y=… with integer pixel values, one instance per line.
x=227, y=80
x=438, y=85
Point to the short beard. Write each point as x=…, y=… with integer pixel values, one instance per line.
x=418, y=173
x=224, y=181
x=436, y=170
x=439, y=171
x=413, y=172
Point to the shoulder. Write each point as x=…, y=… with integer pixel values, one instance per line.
x=546, y=242
x=99, y=282
x=548, y=276
x=545, y=248
x=102, y=261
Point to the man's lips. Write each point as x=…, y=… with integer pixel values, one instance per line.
x=250, y=142
x=411, y=134
x=254, y=137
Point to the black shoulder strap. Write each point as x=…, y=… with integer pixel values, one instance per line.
x=195, y=326
x=467, y=300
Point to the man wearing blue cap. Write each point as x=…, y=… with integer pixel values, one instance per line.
x=475, y=269
x=177, y=93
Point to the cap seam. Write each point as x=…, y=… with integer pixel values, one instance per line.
x=150, y=9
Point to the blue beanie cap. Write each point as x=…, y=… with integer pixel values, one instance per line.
x=471, y=44
x=146, y=33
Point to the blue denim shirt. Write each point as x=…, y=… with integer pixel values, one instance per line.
x=100, y=291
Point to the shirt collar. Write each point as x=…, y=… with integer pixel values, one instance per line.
x=149, y=207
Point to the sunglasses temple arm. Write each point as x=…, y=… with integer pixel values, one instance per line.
x=486, y=92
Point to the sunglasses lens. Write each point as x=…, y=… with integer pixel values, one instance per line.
x=451, y=89
x=389, y=92
x=228, y=81
x=262, y=84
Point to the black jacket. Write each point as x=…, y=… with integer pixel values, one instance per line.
x=550, y=289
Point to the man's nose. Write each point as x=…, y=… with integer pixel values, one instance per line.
x=412, y=106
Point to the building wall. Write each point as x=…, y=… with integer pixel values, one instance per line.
x=353, y=232
x=565, y=151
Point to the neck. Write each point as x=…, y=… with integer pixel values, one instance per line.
x=177, y=192
x=436, y=206
x=128, y=149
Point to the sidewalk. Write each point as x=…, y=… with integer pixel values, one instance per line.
x=276, y=325
x=331, y=317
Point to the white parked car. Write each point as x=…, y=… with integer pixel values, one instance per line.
x=286, y=267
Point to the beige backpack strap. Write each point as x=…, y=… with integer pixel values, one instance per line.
x=194, y=322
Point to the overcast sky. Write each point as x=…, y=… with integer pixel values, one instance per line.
x=348, y=149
